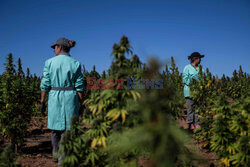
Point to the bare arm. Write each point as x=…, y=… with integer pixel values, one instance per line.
x=80, y=95
x=43, y=96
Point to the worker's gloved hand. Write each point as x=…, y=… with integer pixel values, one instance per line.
x=43, y=108
x=81, y=108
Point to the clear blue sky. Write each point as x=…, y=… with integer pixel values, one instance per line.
x=220, y=29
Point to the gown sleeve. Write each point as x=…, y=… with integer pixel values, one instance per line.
x=45, y=83
x=186, y=76
x=79, y=84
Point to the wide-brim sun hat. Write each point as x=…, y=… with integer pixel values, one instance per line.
x=195, y=54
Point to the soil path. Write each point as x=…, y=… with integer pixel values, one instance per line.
x=207, y=158
x=37, y=147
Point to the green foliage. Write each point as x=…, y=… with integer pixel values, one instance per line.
x=73, y=145
x=17, y=102
x=223, y=106
x=237, y=86
x=172, y=75
x=157, y=135
x=7, y=157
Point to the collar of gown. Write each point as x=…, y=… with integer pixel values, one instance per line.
x=194, y=67
x=64, y=53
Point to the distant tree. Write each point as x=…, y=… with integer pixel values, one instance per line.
x=28, y=72
x=94, y=73
x=9, y=65
x=20, y=72
x=103, y=74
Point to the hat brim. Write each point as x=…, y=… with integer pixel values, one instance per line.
x=53, y=46
x=201, y=56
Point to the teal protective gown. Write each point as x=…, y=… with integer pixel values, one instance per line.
x=188, y=74
x=62, y=71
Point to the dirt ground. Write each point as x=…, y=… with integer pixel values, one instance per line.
x=37, y=149
x=207, y=159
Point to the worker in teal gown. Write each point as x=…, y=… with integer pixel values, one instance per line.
x=63, y=81
x=191, y=71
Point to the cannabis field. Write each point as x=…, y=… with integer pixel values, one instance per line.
x=136, y=125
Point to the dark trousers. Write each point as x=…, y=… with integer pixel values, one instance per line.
x=56, y=138
x=192, y=117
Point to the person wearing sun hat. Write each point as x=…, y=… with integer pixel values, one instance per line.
x=191, y=71
x=63, y=80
